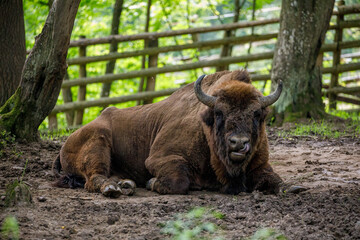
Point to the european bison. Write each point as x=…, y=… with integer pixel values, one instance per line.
x=208, y=135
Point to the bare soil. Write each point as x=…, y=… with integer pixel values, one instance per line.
x=329, y=209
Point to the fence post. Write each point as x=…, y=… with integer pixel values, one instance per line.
x=153, y=61
x=53, y=123
x=225, y=52
x=336, y=57
x=143, y=66
x=82, y=88
x=67, y=96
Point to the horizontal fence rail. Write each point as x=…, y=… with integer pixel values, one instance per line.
x=154, y=35
x=150, y=51
x=210, y=63
x=153, y=50
x=107, y=101
x=168, y=69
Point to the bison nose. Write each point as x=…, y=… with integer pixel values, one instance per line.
x=237, y=143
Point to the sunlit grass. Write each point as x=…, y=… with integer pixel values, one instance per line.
x=56, y=134
x=324, y=129
x=354, y=116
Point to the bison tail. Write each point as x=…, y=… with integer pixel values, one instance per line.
x=66, y=181
x=56, y=167
x=70, y=181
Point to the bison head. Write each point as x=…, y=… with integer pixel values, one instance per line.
x=235, y=115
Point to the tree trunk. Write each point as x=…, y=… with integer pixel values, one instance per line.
x=12, y=47
x=227, y=48
x=110, y=66
x=303, y=25
x=42, y=75
x=50, y=3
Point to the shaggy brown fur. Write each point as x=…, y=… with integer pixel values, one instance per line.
x=179, y=141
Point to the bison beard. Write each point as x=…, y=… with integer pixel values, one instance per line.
x=207, y=135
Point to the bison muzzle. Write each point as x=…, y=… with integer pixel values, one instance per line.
x=208, y=135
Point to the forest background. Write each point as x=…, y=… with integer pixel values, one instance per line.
x=94, y=20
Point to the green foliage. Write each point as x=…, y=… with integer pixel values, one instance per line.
x=194, y=225
x=35, y=14
x=267, y=234
x=198, y=224
x=10, y=228
x=94, y=20
x=18, y=192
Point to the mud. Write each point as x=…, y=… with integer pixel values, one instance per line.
x=329, y=209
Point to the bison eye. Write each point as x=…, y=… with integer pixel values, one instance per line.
x=218, y=114
x=257, y=114
x=219, y=118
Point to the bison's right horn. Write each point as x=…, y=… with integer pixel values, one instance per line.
x=204, y=98
x=270, y=99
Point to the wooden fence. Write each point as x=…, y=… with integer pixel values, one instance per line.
x=335, y=90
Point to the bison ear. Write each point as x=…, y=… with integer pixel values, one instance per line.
x=265, y=112
x=208, y=117
x=241, y=75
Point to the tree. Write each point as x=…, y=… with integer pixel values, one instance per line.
x=42, y=74
x=303, y=25
x=12, y=47
x=226, y=49
x=110, y=66
x=146, y=45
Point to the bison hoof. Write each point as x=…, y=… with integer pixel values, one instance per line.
x=150, y=184
x=111, y=190
x=127, y=187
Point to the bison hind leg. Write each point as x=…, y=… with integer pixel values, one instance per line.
x=111, y=187
x=107, y=186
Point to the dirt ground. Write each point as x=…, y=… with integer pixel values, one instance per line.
x=329, y=209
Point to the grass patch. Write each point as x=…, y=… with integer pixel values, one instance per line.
x=354, y=116
x=56, y=134
x=324, y=129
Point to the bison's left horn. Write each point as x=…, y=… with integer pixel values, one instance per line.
x=270, y=99
x=204, y=98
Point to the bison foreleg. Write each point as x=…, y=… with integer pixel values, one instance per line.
x=171, y=175
x=127, y=186
x=235, y=185
x=264, y=179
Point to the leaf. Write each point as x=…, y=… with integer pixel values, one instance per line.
x=10, y=228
